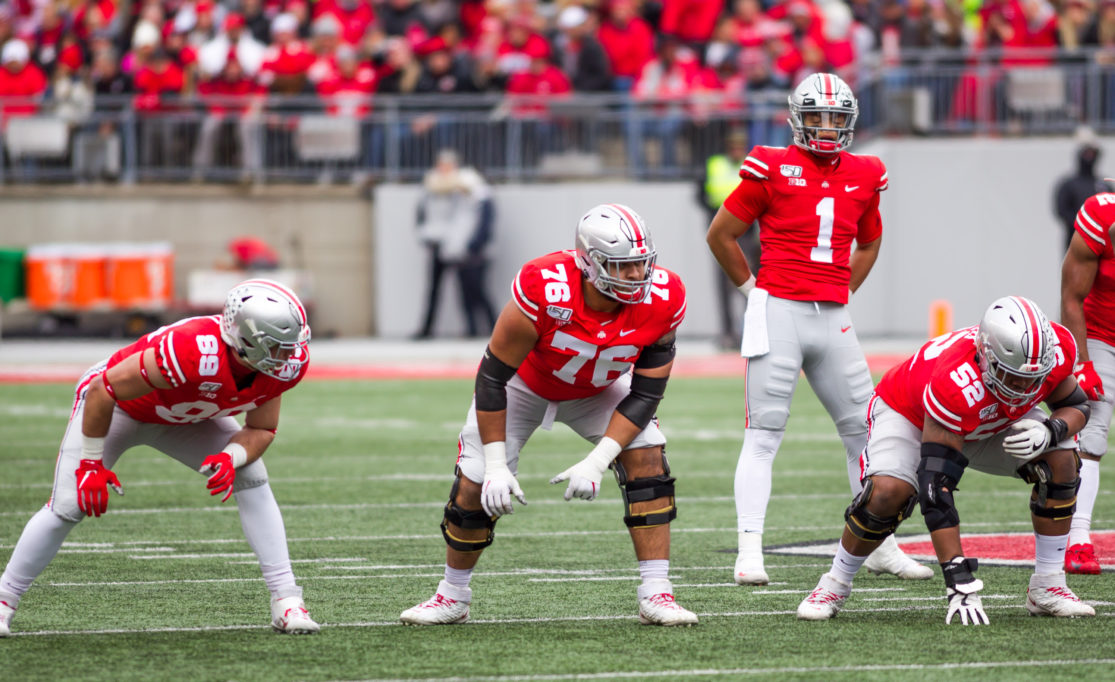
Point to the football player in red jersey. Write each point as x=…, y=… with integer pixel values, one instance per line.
x=587, y=339
x=970, y=398
x=178, y=390
x=1088, y=311
x=812, y=200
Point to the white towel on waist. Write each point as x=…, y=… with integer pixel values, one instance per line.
x=756, y=341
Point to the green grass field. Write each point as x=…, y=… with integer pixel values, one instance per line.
x=164, y=586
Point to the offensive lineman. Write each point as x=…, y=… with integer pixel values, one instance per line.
x=970, y=398
x=812, y=200
x=562, y=350
x=177, y=390
x=1088, y=311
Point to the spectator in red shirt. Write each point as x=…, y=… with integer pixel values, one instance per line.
x=90, y=15
x=21, y=79
x=158, y=83
x=529, y=92
x=667, y=81
x=233, y=99
x=353, y=16
x=629, y=42
x=234, y=40
x=287, y=60
x=325, y=37
x=519, y=47
x=349, y=91
x=692, y=21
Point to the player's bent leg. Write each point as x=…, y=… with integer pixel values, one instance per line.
x=643, y=475
x=874, y=515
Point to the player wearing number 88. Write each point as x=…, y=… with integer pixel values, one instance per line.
x=178, y=390
x=587, y=339
x=811, y=201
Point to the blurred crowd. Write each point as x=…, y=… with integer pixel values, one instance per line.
x=346, y=51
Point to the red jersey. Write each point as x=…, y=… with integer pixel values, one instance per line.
x=809, y=211
x=581, y=351
x=199, y=368
x=942, y=380
x=1093, y=221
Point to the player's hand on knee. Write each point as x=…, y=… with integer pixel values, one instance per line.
x=93, y=482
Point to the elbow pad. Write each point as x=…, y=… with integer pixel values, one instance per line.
x=939, y=472
x=491, y=383
x=642, y=402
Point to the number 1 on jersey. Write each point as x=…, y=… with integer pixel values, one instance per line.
x=822, y=252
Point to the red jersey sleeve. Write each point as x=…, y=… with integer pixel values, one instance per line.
x=870, y=223
x=526, y=292
x=944, y=403
x=750, y=199
x=1094, y=221
x=184, y=357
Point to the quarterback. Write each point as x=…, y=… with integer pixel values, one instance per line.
x=970, y=398
x=812, y=201
x=587, y=339
x=178, y=390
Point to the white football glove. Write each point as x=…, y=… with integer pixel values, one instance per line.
x=962, y=589
x=1030, y=439
x=584, y=476
x=499, y=483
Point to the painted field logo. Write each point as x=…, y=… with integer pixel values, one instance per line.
x=993, y=549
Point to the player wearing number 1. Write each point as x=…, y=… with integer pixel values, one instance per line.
x=812, y=201
x=587, y=339
x=177, y=390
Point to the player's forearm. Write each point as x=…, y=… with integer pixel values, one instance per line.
x=861, y=262
x=254, y=441
x=97, y=413
x=1072, y=318
x=492, y=426
x=946, y=543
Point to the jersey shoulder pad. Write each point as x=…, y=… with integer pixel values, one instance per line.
x=762, y=162
x=528, y=290
x=872, y=168
x=184, y=350
x=1067, y=342
x=1094, y=221
x=943, y=400
x=668, y=296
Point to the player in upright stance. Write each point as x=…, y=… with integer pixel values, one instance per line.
x=1088, y=311
x=177, y=390
x=812, y=200
x=587, y=339
x=970, y=398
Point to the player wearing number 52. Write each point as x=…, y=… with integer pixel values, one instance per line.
x=812, y=200
x=587, y=339
x=178, y=390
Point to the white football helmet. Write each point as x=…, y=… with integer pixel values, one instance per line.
x=265, y=323
x=829, y=96
x=1016, y=349
x=609, y=237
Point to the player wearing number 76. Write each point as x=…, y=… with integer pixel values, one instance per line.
x=587, y=339
x=178, y=390
x=812, y=200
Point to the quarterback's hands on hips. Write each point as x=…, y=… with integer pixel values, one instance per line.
x=1030, y=439
x=93, y=482
x=962, y=589
x=499, y=483
x=221, y=469
x=1088, y=380
x=747, y=286
x=584, y=476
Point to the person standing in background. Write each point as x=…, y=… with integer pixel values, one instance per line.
x=1072, y=190
x=454, y=222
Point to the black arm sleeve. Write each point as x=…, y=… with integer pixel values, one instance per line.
x=642, y=402
x=491, y=383
x=1075, y=399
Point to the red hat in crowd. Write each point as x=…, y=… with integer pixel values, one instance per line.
x=234, y=20
x=428, y=47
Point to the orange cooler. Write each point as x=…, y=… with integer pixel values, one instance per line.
x=88, y=271
x=49, y=276
x=141, y=275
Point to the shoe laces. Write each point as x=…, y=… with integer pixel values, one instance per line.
x=437, y=601
x=823, y=596
x=664, y=599
x=1062, y=592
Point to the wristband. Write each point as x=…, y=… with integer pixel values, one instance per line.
x=747, y=286
x=604, y=452
x=92, y=448
x=495, y=454
x=238, y=454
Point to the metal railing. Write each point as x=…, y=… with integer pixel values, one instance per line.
x=311, y=139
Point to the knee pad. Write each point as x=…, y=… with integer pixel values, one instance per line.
x=644, y=490
x=465, y=518
x=251, y=476
x=869, y=526
x=1045, y=488
x=939, y=472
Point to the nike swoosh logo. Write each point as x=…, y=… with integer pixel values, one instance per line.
x=850, y=188
x=844, y=329
x=625, y=332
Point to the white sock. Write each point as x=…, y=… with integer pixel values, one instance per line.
x=845, y=565
x=458, y=577
x=263, y=528
x=853, y=448
x=42, y=537
x=1049, y=553
x=1085, y=502
x=654, y=569
x=753, y=475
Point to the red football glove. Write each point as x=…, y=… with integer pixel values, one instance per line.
x=221, y=474
x=93, y=481
x=1088, y=380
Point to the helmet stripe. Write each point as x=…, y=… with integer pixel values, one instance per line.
x=267, y=283
x=829, y=90
x=1034, y=352
x=638, y=236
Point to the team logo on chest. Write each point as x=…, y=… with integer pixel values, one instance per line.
x=562, y=315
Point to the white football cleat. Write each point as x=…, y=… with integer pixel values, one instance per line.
x=289, y=616
x=6, y=619
x=1049, y=595
x=888, y=558
x=448, y=606
x=657, y=605
x=749, y=562
x=825, y=600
